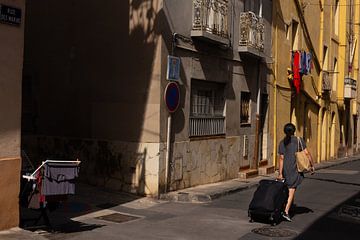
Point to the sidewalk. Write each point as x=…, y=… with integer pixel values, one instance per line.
x=19, y=233
x=208, y=192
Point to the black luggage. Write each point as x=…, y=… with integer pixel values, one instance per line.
x=269, y=201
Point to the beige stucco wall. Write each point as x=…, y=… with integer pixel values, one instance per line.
x=11, y=61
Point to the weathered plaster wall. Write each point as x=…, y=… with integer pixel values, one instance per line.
x=205, y=161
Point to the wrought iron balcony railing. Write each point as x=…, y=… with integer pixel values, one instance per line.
x=326, y=81
x=210, y=20
x=207, y=126
x=252, y=31
x=349, y=88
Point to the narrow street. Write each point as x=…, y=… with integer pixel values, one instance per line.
x=327, y=207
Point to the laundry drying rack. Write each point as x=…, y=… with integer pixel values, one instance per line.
x=48, y=185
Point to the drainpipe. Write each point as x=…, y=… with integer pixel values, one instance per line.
x=319, y=127
x=321, y=54
x=258, y=106
x=275, y=98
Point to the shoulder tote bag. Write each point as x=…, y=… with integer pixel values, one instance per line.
x=302, y=160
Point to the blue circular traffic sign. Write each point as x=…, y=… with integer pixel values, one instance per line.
x=172, y=96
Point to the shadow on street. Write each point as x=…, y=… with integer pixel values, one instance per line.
x=342, y=222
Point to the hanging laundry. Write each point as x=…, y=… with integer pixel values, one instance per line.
x=59, y=179
x=303, y=63
x=296, y=71
x=36, y=199
x=308, y=62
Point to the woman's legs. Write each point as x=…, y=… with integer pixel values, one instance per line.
x=290, y=199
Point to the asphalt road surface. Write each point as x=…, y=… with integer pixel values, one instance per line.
x=327, y=207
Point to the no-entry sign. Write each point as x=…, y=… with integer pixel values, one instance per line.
x=172, y=96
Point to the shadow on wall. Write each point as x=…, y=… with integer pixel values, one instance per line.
x=87, y=78
x=111, y=165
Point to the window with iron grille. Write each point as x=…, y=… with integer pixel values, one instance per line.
x=207, y=109
x=245, y=108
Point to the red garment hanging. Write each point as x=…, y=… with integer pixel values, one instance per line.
x=296, y=71
x=39, y=185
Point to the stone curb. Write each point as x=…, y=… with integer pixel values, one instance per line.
x=191, y=195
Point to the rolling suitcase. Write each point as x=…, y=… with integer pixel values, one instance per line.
x=269, y=201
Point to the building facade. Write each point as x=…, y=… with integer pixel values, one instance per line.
x=321, y=100
x=92, y=82
x=11, y=61
x=94, y=86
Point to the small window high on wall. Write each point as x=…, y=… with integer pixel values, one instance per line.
x=336, y=17
x=335, y=75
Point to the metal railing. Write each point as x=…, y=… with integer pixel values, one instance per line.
x=206, y=126
x=326, y=83
x=252, y=30
x=349, y=88
x=211, y=16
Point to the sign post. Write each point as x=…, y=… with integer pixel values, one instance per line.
x=172, y=100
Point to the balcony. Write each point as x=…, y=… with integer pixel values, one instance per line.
x=326, y=82
x=349, y=88
x=210, y=21
x=252, y=33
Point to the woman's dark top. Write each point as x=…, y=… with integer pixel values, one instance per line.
x=292, y=177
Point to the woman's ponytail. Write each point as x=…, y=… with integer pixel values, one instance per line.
x=289, y=130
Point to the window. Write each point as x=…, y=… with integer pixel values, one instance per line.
x=207, y=108
x=287, y=31
x=245, y=108
x=336, y=17
x=325, y=59
x=335, y=75
x=295, y=35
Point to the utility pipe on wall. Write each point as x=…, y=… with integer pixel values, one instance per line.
x=275, y=98
x=257, y=127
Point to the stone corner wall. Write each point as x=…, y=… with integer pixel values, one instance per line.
x=119, y=166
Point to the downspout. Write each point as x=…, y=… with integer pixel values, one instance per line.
x=319, y=133
x=275, y=97
x=321, y=53
x=258, y=106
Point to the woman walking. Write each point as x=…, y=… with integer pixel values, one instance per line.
x=287, y=164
